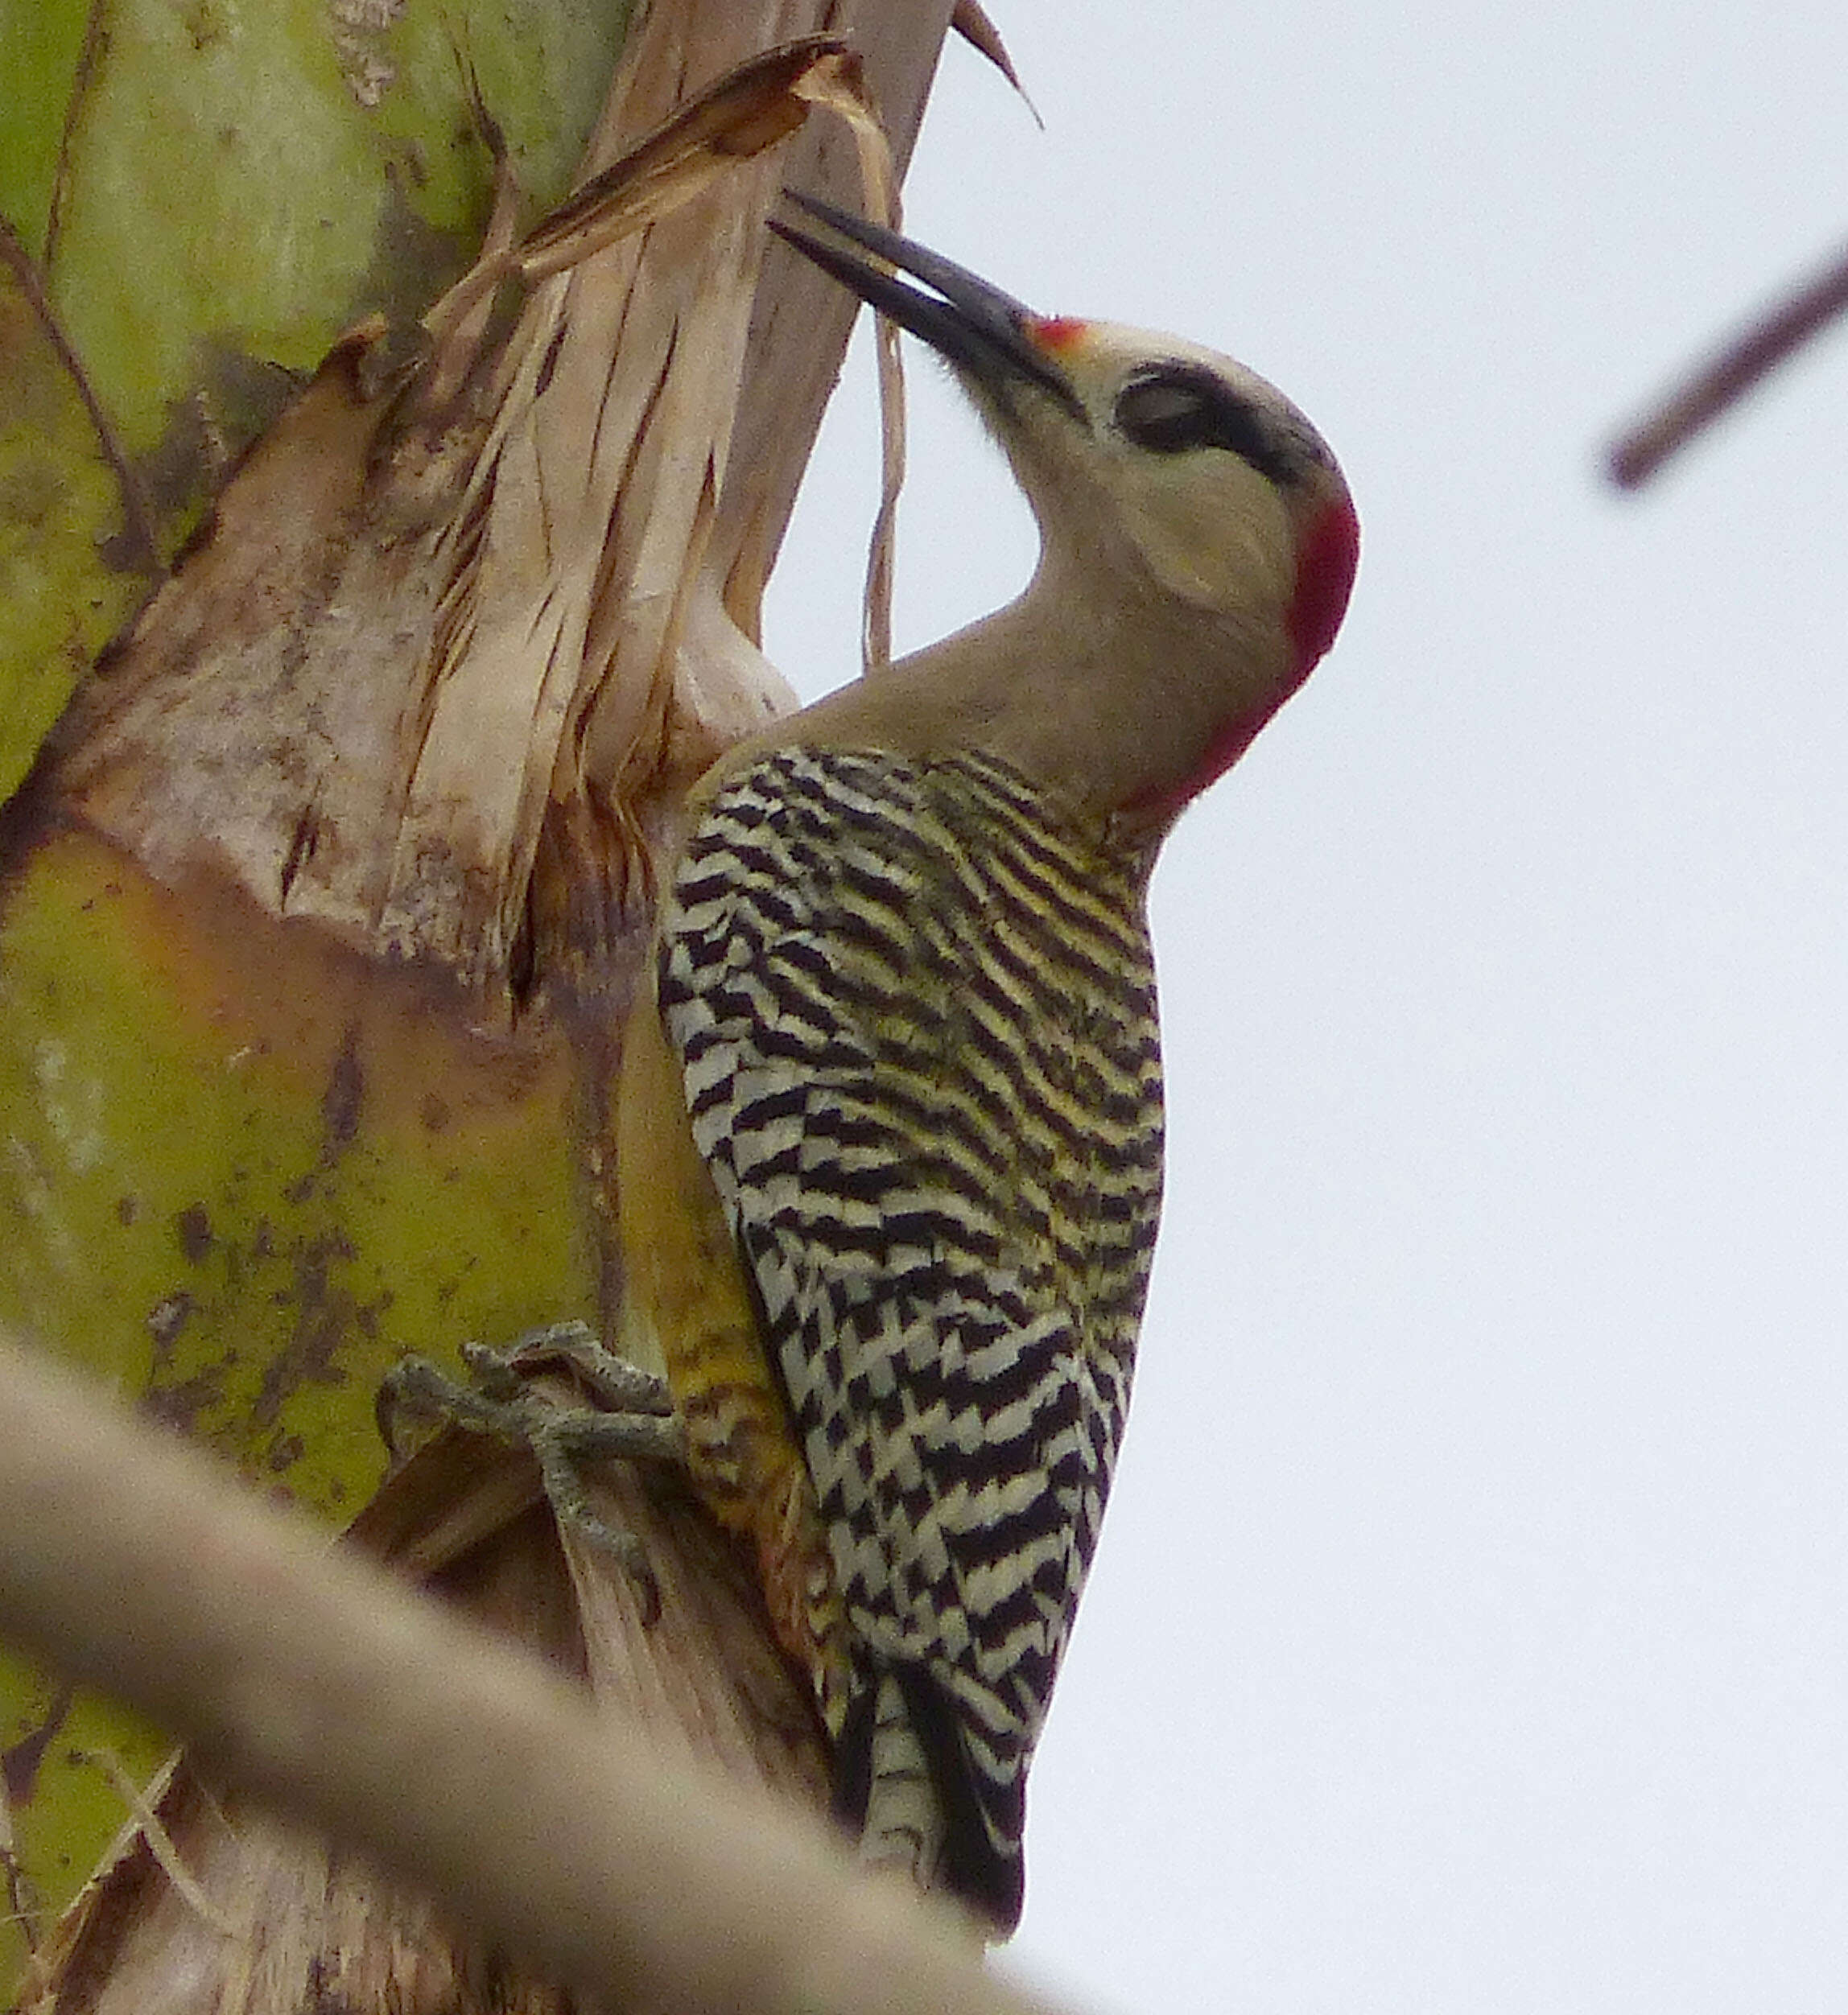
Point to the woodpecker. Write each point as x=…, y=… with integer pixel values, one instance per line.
x=889, y=1121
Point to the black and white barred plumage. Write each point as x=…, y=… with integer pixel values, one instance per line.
x=915, y=1013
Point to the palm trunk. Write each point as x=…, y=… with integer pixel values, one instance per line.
x=326, y=893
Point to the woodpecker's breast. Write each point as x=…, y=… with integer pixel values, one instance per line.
x=915, y=1013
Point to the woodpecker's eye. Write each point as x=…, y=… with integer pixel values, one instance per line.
x=1166, y=415
x=1180, y=406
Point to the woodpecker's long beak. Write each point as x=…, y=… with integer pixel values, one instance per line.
x=978, y=328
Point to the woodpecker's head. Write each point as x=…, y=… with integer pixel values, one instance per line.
x=1170, y=484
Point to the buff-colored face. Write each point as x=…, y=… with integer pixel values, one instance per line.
x=1170, y=471
x=1209, y=476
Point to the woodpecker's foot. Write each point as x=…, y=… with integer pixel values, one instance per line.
x=628, y=1413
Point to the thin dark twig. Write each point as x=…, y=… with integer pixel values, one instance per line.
x=89, y=60
x=136, y=547
x=1729, y=376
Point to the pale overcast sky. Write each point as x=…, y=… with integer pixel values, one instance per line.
x=1470, y=1629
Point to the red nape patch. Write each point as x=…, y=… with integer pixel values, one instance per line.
x=1056, y=332
x=1325, y=566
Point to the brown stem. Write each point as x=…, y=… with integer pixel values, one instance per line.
x=136, y=547
x=89, y=59
x=1729, y=376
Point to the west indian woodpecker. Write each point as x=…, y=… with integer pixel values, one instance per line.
x=889, y=1125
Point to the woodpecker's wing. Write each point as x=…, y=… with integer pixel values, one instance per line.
x=915, y=1015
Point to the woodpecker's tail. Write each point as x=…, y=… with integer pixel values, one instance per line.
x=903, y=1779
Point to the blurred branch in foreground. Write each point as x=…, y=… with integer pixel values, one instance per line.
x=1727, y=377
x=305, y=1674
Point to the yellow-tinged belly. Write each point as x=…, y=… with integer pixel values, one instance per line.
x=685, y=1301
